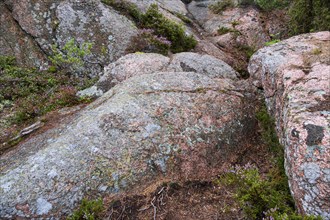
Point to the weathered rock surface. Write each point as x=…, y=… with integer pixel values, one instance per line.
x=147, y=63
x=204, y=64
x=295, y=75
x=56, y=22
x=182, y=125
x=174, y=6
x=249, y=26
x=15, y=42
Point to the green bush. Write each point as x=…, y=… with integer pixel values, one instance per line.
x=255, y=195
x=220, y=6
x=127, y=8
x=88, y=210
x=34, y=93
x=146, y=41
x=261, y=198
x=225, y=30
x=71, y=55
x=6, y=62
x=269, y=5
x=266, y=5
x=309, y=16
x=268, y=196
x=164, y=27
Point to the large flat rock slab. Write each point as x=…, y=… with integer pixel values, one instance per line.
x=180, y=125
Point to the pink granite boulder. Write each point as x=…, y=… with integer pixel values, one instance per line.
x=295, y=76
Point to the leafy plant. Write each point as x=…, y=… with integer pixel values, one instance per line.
x=89, y=210
x=71, y=56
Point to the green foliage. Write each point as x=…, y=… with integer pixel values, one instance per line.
x=7, y=61
x=127, y=8
x=225, y=30
x=256, y=195
x=34, y=93
x=147, y=41
x=247, y=50
x=183, y=18
x=88, y=210
x=265, y=197
x=269, y=5
x=220, y=6
x=164, y=27
x=266, y=5
x=261, y=198
x=71, y=56
x=272, y=42
x=309, y=16
x=269, y=135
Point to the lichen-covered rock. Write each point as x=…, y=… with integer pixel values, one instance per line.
x=295, y=75
x=181, y=125
x=56, y=22
x=147, y=63
x=247, y=25
x=174, y=6
x=14, y=42
x=204, y=64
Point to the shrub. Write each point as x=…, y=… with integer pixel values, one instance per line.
x=309, y=16
x=88, y=210
x=265, y=5
x=225, y=30
x=264, y=197
x=127, y=8
x=168, y=29
x=71, y=56
x=147, y=41
x=7, y=61
x=261, y=198
x=163, y=29
x=247, y=50
x=34, y=93
x=254, y=194
x=220, y=6
x=269, y=5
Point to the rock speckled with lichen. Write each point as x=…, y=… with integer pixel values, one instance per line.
x=173, y=124
x=56, y=22
x=295, y=75
x=148, y=63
